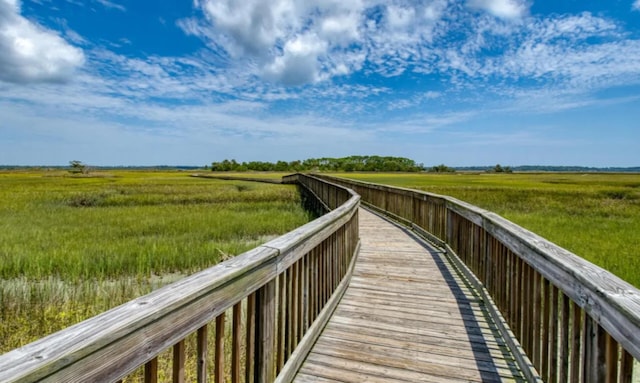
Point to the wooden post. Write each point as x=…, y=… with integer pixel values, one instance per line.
x=236, y=343
x=202, y=350
x=265, y=332
x=250, y=357
x=219, y=356
x=178, y=362
x=151, y=371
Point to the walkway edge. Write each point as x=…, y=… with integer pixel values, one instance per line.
x=516, y=349
x=301, y=351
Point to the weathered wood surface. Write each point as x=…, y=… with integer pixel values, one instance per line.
x=526, y=276
x=407, y=316
x=111, y=345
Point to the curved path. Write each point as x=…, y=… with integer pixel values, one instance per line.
x=407, y=316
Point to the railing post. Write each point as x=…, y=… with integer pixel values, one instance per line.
x=265, y=332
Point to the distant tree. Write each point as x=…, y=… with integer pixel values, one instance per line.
x=500, y=169
x=442, y=168
x=78, y=167
x=352, y=163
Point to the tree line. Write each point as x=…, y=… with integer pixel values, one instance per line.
x=345, y=164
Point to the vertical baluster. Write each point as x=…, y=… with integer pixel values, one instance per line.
x=537, y=311
x=295, y=294
x=611, y=359
x=594, y=351
x=289, y=317
x=563, y=367
x=265, y=332
x=516, y=296
x=524, y=324
x=281, y=322
x=236, y=344
x=178, y=362
x=250, y=338
x=151, y=371
x=553, y=330
x=202, y=350
x=626, y=367
x=301, y=305
x=546, y=313
x=219, y=352
x=576, y=336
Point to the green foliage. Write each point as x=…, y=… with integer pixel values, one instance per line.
x=594, y=215
x=499, y=169
x=442, y=168
x=78, y=167
x=347, y=164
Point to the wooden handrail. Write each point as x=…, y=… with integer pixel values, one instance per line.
x=575, y=320
x=281, y=294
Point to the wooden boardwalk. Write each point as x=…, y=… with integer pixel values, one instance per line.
x=407, y=316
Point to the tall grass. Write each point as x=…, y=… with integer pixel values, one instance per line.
x=596, y=216
x=72, y=247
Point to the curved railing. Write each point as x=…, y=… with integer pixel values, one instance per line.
x=574, y=320
x=278, y=296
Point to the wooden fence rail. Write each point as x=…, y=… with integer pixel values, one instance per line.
x=252, y=318
x=575, y=321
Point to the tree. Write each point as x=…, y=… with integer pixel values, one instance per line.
x=78, y=167
x=442, y=168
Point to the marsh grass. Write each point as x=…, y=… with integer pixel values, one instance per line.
x=72, y=247
x=596, y=216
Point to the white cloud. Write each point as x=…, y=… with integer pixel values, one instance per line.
x=111, y=4
x=636, y=5
x=506, y=9
x=400, y=17
x=299, y=62
x=31, y=53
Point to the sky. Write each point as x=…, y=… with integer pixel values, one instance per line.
x=461, y=83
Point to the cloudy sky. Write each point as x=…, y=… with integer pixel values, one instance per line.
x=459, y=82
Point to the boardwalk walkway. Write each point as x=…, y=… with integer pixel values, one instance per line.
x=407, y=317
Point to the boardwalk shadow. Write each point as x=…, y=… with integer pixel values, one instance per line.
x=477, y=339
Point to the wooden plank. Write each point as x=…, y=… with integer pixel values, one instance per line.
x=468, y=352
x=218, y=363
x=336, y=369
x=202, y=350
x=151, y=371
x=430, y=364
x=250, y=339
x=178, y=362
x=265, y=332
x=236, y=344
x=460, y=344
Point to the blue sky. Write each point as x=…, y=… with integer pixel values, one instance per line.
x=467, y=82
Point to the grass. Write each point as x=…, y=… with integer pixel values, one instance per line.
x=74, y=246
x=596, y=216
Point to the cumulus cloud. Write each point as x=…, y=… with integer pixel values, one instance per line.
x=31, y=53
x=298, y=64
x=292, y=41
x=636, y=5
x=506, y=9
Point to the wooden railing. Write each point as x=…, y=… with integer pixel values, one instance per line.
x=575, y=321
x=266, y=306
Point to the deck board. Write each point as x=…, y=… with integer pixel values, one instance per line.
x=407, y=316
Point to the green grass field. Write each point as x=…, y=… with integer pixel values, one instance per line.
x=596, y=216
x=74, y=246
